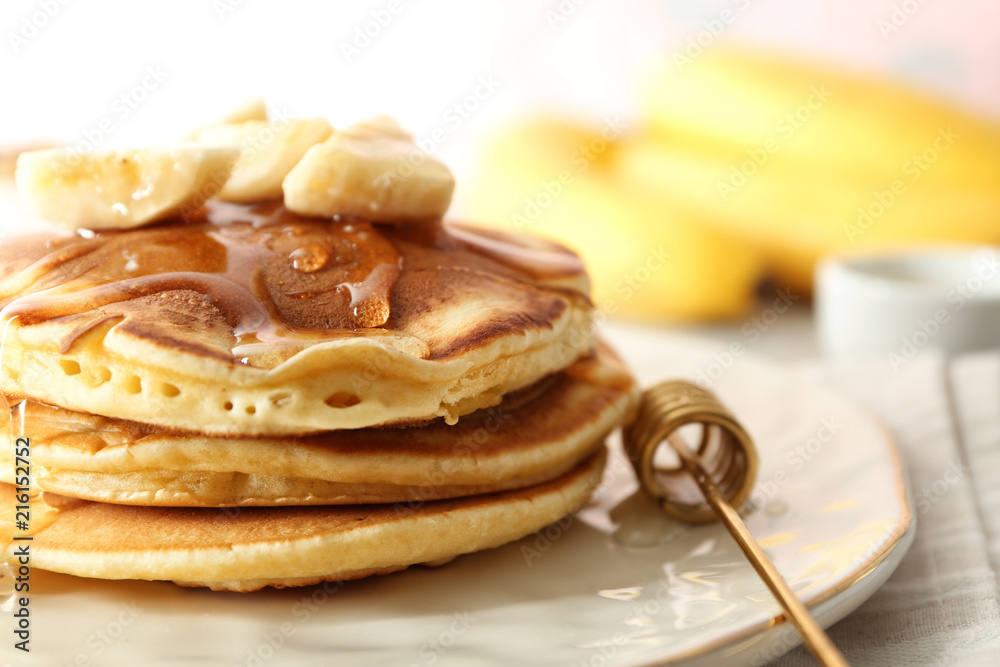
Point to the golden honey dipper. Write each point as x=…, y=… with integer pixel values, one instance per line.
x=710, y=482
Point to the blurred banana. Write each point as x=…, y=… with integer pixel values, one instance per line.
x=747, y=102
x=647, y=258
x=794, y=214
x=744, y=159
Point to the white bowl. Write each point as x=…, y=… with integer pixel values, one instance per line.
x=899, y=304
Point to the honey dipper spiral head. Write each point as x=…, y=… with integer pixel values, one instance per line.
x=725, y=449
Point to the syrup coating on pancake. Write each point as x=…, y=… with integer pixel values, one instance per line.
x=280, y=281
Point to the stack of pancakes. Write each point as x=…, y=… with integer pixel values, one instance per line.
x=258, y=398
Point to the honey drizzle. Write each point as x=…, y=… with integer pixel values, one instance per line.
x=225, y=258
x=544, y=260
x=268, y=271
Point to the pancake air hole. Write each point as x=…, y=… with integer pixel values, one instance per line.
x=133, y=384
x=280, y=399
x=99, y=376
x=342, y=400
x=70, y=367
x=169, y=390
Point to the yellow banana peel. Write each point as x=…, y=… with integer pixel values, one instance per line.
x=744, y=164
x=647, y=259
x=755, y=105
x=793, y=214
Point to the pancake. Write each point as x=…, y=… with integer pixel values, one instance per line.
x=533, y=436
x=254, y=321
x=248, y=548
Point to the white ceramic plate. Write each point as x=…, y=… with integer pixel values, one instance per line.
x=833, y=513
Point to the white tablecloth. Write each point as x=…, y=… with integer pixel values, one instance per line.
x=942, y=605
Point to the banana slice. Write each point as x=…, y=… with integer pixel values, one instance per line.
x=118, y=189
x=254, y=109
x=372, y=170
x=269, y=151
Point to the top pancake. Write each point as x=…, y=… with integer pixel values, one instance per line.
x=255, y=321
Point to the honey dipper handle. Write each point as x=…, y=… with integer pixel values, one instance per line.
x=723, y=470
